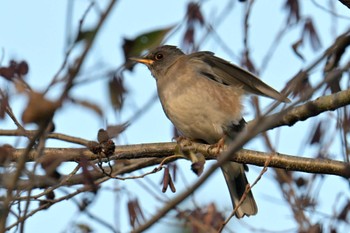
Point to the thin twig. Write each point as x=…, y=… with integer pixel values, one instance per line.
x=248, y=188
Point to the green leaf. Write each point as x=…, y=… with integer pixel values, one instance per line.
x=135, y=47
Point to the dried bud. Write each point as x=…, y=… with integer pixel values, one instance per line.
x=22, y=68
x=168, y=181
x=198, y=167
x=94, y=147
x=102, y=136
x=45, y=204
x=300, y=182
x=108, y=148
x=172, y=185
x=50, y=195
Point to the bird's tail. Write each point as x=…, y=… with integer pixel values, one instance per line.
x=236, y=182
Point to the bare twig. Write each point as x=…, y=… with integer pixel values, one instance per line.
x=247, y=190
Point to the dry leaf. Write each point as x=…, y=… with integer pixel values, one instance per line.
x=296, y=46
x=317, y=135
x=115, y=130
x=310, y=32
x=334, y=58
x=88, y=105
x=39, y=109
x=132, y=213
x=117, y=92
x=136, y=216
x=294, y=11
x=209, y=217
x=299, y=86
x=194, y=13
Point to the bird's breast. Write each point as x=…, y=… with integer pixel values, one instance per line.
x=199, y=108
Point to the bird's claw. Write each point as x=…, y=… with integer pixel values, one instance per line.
x=218, y=146
x=183, y=141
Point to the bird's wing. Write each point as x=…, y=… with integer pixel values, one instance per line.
x=230, y=74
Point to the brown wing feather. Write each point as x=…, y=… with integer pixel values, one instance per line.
x=231, y=74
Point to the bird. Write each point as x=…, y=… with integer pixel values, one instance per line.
x=201, y=94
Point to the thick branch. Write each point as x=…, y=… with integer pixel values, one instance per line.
x=163, y=150
x=289, y=118
x=159, y=151
x=310, y=109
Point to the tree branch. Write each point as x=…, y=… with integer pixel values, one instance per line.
x=153, y=153
x=159, y=151
x=309, y=109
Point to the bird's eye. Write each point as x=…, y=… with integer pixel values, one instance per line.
x=159, y=56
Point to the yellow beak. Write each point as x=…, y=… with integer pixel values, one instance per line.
x=142, y=60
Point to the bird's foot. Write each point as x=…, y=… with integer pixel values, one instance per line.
x=183, y=141
x=218, y=146
x=185, y=148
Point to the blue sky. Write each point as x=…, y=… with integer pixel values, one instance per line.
x=36, y=31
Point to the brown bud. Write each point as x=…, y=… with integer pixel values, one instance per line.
x=50, y=195
x=7, y=72
x=102, y=136
x=6, y=152
x=94, y=147
x=166, y=179
x=22, y=68
x=108, y=147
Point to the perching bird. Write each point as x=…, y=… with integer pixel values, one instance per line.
x=201, y=95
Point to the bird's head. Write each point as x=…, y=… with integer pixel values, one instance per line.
x=160, y=59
